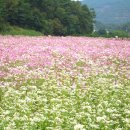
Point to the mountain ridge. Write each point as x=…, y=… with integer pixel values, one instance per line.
x=110, y=11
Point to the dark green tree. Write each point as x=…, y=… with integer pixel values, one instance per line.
x=52, y=17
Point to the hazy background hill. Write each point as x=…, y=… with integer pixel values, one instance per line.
x=110, y=11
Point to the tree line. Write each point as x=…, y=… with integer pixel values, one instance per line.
x=51, y=17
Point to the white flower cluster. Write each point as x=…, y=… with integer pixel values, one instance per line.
x=44, y=104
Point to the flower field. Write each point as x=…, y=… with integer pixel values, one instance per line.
x=64, y=83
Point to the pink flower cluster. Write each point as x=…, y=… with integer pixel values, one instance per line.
x=46, y=51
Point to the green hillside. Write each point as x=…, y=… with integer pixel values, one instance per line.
x=50, y=17
x=14, y=30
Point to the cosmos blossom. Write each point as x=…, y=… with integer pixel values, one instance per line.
x=40, y=51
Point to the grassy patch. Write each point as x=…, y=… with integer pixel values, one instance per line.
x=20, y=31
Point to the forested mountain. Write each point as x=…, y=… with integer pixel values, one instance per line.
x=54, y=17
x=110, y=11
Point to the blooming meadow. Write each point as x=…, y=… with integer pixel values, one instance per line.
x=64, y=83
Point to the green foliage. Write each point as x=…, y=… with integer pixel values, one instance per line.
x=125, y=27
x=109, y=34
x=54, y=17
x=3, y=24
x=58, y=27
x=119, y=33
x=1, y=94
x=102, y=32
x=120, y=30
x=21, y=31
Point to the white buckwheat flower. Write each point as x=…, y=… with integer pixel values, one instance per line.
x=78, y=127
